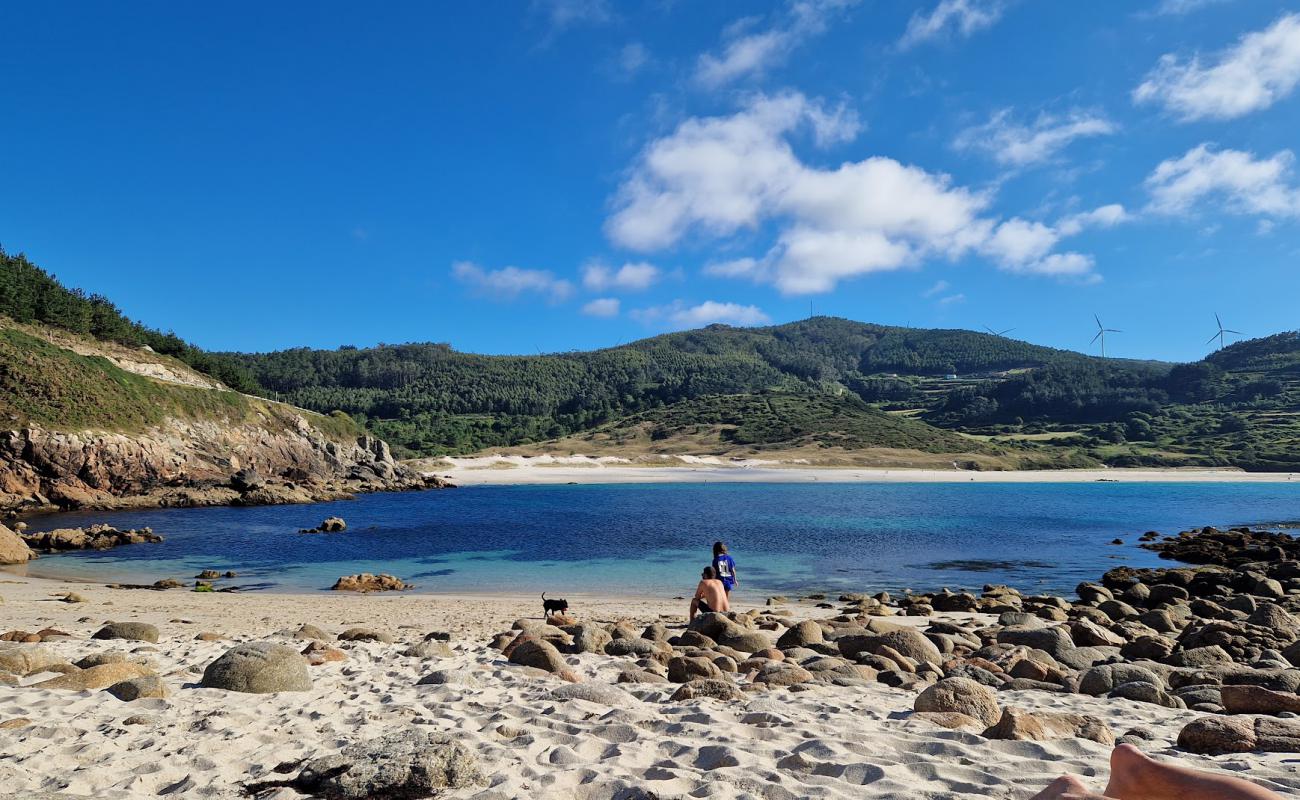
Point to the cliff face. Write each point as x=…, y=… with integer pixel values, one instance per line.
x=185, y=462
x=98, y=426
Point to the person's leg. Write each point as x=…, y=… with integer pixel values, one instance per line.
x=1136, y=776
x=1066, y=787
x=695, y=607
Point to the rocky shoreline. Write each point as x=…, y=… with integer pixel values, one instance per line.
x=183, y=465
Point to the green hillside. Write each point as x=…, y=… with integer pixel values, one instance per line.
x=429, y=399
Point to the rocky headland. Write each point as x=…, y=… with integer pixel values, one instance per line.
x=188, y=463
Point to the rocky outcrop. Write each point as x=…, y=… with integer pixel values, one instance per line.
x=365, y=582
x=13, y=550
x=94, y=537
x=282, y=459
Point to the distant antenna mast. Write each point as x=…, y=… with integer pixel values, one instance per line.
x=998, y=333
x=1101, y=334
x=1222, y=330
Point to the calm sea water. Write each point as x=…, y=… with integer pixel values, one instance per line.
x=654, y=539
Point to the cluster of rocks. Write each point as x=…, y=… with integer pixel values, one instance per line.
x=366, y=582
x=93, y=537
x=1230, y=548
x=120, y=675
x=1218, y=640
x=328, y=525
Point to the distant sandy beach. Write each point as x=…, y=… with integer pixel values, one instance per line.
x=541, y=470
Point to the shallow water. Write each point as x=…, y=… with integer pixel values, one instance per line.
x=654, y=539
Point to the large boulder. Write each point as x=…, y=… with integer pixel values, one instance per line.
x=682, y=669
x=904, y=641
x=138, y=688
x=100, y=677
x=1103, y=678
x=130, y=631
x=963, y=696
x=589, y=638
x=407, y=764
x=21, y=659
x=801, y=635
x=1247, y=699
x=540, y=654
x=1054, y=640
x=13, y=550
x=1212, y=735
x=1041, y=726
x=258, y=668
x=747, y=642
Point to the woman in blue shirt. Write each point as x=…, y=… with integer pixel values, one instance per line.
x=723, y=566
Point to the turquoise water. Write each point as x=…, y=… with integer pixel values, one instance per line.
x=654, y=539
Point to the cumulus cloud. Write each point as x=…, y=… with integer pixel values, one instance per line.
x=1241, y=182
x=752, y=53
x=718, y=176
x=682, y=315
x=602, y=307
x=509, y=283
x=1016, y=144
x=963, y=17
x=629, y=277
x=1261, y=69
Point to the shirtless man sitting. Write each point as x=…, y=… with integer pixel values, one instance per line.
x=710, y=595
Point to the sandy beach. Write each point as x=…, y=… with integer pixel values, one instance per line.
x=504, y=470
x=530, y=740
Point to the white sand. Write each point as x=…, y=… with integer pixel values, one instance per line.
x=516, y=470
x=824, y=742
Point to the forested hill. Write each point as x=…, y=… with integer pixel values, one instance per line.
x=428, y=398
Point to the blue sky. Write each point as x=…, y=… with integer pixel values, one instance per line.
x=569, y=174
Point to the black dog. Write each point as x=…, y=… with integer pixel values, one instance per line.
x=549, y=607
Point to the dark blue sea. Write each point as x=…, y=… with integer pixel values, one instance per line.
x=654, y=539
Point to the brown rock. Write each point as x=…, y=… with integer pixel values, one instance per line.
x=99, y=677
x=1040, y=726
x=1247, y=699
x=963, y=696
x=13, y=550
x=716, y=688
x=952, y=720
x=366, y=582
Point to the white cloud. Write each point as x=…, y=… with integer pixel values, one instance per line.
x=629, y=277
x=565, y=14
x=1179, y=7
x=952, y=299
x=1241, y=182
x=718, y=176
x=508, y=283
x=747, y=54
x=602, y=307
x=964, y=17
x=1018, y=145
x=1107, y=216
x=633, y=57
x=681, y=315
x=1261, y=69
x=938, y=288
x=1059, y=265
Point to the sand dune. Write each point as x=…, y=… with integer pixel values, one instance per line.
x=824, y=742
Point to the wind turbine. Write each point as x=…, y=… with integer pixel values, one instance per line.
x=1222, y=330
x=998, y=333
x=1102, y=330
